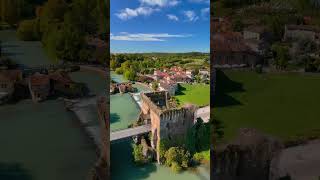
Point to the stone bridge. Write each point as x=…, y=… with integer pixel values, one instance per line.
x=121, y=134
x=163, y=121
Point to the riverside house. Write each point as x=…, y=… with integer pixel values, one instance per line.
x=309, y=32
x=8, y=79
x=61, y=83
x=39, y=87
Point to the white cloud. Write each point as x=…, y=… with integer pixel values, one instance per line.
x=200, y=1
x=191, y=15
x=124, y=36
x=172, y=17
x=128, y=13
x=205, y=13
x=160, y=3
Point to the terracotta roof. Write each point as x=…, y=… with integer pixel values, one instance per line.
x=61, y=77
x=167, y=84
x=39, y=79
x=256, y=29
x=303, y=28
x=12, y=75
x=96, y=42
x=229, y=42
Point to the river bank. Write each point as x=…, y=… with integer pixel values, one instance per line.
x=43, y=138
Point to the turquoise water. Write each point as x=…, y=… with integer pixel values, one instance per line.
x=46, y=140
x=28, y=53
x=123, y=112
x=95, y=82
x=43, y=141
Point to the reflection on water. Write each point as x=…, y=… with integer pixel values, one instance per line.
x=46, y=140
x=14, y=171
x=123, y=168
x=43, y=141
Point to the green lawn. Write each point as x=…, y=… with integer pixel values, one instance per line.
x=284, y=105
x=198, y=94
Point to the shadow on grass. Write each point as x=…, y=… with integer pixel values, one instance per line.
x=224, y=86
x=114, y=117
x=180, y=90
x=14, y=171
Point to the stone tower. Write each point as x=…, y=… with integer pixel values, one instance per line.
x=166, y=122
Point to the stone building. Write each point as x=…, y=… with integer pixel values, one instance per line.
x=170, y=86
x=8, y=79
x=166, y=123
x=302, y=32
x=62, y=83
x=257, y=38
x=39, y=87
x=230, y=51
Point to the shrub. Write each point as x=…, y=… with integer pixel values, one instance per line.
x=138, y=154
x=119, y=70
x=175, y=167
x=177, y=156
x=28, y=30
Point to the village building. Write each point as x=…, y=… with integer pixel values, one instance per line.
x=190, y=73
x=61, y=83
x=159, y=75
x=257, y=38
x=230, y=51
x=220, y=24
x=294, y=32
x=169, y=86
x=39, y=87
x=8, y=80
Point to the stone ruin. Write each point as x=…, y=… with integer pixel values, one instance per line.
x=166, y=122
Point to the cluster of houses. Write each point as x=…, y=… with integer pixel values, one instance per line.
x=169, y=78
x=122, y=88
x=39, y=86
x=247, y=48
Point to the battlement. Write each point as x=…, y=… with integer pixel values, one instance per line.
x=157, y=101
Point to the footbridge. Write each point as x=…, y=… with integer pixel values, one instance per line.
x=121, y=134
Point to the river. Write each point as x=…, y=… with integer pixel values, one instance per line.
x=43, y=141
x=124, y=111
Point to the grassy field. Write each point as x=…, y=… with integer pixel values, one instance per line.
x=198, y=94
x=284, y=105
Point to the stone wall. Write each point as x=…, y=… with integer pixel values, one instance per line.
x=166, y=123
x=248, y=157
x=102, y=167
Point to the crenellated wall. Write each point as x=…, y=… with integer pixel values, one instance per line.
x=166, y=123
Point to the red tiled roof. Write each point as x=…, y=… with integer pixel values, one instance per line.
x=256, y=29
x=12, y=75
x=303, y=28
x=39, y=79
x=61, y=77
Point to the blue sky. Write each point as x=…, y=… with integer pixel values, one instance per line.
x=159, y=26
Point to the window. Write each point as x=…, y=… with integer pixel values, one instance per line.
x=4, y=86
